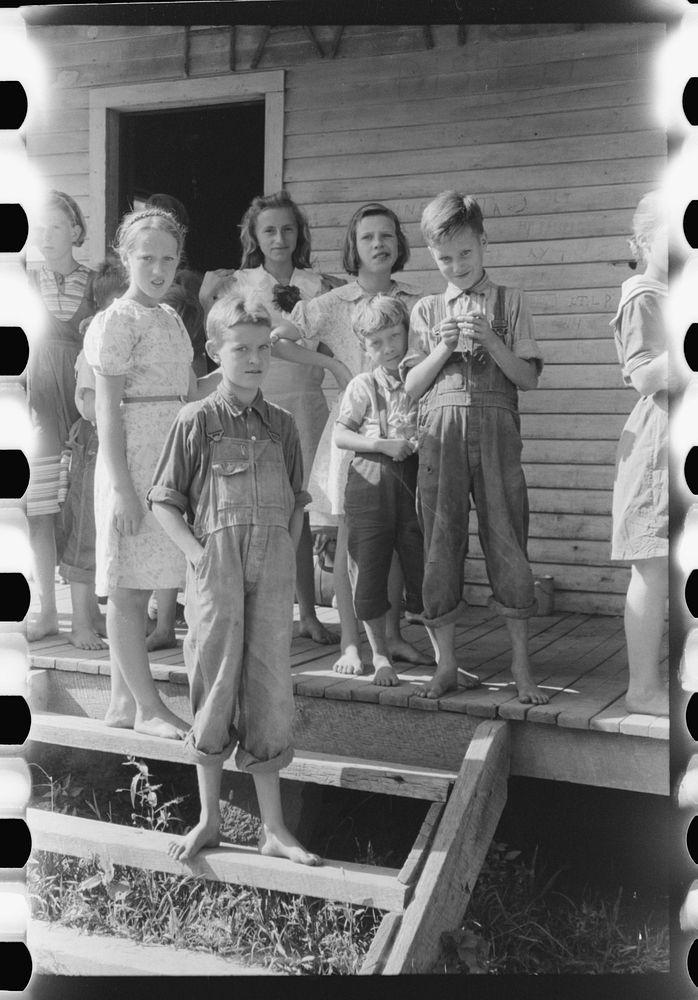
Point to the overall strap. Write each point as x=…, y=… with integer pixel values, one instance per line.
x=499, y=323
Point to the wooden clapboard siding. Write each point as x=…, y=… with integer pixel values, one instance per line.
x=550, y=126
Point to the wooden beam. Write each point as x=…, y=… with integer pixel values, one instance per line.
x=379, y=949
x=428, y=37
x=311, y=35
x=231, y=48
x=266, y=31
x=362, y=885
x=457, y=854
x=336, y=42
x=187, y=50
x=323, y=769
x=411, y=869
x=462, y=34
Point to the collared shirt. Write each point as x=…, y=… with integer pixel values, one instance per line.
x=430, y=310
x=328, y=318
x=63, y=293
x=186, y=457
x=361, y=407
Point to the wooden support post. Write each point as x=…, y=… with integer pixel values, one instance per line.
x=337, y=39
x=462, y=34
x=311, y=35
x=457, y=853
x=266, y=30
x=428, y=37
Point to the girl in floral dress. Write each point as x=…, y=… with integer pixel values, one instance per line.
x=141, y=355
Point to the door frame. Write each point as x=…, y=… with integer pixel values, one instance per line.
x=106, y=103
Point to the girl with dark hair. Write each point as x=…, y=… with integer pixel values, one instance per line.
x=276, y=267
x=374, y=247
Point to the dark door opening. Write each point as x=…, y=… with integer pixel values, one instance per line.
x=210, y=158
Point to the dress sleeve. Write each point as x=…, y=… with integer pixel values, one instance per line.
x=84, y=381
x=110, y=342
x=641, y=333
x=522, y=330
x=306, y=316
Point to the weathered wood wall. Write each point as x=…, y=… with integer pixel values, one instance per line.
x=550, y=126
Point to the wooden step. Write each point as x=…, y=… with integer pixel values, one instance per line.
x=64, y=951
x=361, y=885
x=344, y=772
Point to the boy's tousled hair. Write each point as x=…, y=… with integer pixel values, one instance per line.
x=170, y=204
x=231, y=310
x=378, y=313
x=252, y=256
x=109, y=281
x=648, y=218
x=350, y=256
x=146, y=218
x=449, y=213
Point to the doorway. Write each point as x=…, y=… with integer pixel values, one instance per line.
x=211, y=158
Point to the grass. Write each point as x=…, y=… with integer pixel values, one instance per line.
x=520, y=922
x=523, y=917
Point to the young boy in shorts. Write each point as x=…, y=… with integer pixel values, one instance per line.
x=378, y=421
x=228, y=490
x=471, y=349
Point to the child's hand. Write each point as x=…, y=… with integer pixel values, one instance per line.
x=397, y=448
x=448, y=332
x=211, y=283
x=478, y=327
x=127, y=512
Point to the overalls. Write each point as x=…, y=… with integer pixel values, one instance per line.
x=470, y=443
x=239, y=601
x=379, y=506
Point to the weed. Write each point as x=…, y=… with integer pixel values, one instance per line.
x=148, y=811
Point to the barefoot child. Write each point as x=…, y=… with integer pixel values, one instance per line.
x=640, y=490
x=378, y=421
x=470, y=349
x=228, y=490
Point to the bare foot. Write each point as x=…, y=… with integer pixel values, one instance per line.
x=42, y=625
x=82, y=637
x=467, y=680
x=160, y=721
x=121, y=713
x=312, y=628
x=531, y=694
x=402, y=651
x=98, y=624
x=204, y=834
x=349, y=662
x=160, y=640
x=648, y=702
x=384, y=675
x=445, y=679
x=282, y=844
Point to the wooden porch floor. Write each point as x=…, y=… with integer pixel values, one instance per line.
x=579, y=660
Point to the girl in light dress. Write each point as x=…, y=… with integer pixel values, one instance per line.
x=640, y=490
x=276, y=266
x=65, y=288
x=374, y=247
x=141, y=354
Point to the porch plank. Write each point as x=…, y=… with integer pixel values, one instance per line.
x=375, y=776
x=361, y=885
x=459, y=849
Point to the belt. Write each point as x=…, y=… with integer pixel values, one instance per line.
x=153, y=399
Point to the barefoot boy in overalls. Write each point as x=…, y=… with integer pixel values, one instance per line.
x=228, y=490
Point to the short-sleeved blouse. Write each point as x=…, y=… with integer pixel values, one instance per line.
x=152, y=349
x=328, y=318
x=641, y=485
